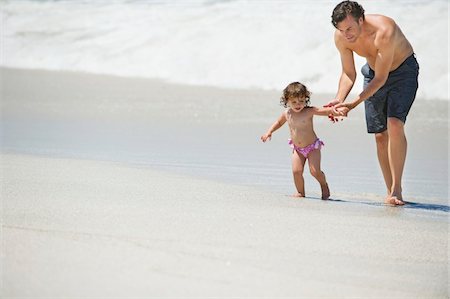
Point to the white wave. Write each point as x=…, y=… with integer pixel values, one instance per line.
x=239, y=44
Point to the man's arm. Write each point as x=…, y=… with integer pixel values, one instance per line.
x=348, y=74
x=383, y=63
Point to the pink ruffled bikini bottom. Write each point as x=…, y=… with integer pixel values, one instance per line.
x=317, y=144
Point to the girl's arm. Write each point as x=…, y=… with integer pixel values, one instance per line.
x=325, y=111
x=276, y=125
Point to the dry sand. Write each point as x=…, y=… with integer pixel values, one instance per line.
x=74, y=228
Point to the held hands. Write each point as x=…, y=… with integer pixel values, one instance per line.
x=343, y=108
x=340, y=110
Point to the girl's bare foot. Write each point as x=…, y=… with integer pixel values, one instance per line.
x=325, y=191
x=298, y=194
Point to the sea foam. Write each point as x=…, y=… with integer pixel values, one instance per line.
x=231, y=44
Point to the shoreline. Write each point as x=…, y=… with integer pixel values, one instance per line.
x=191, y=129
x=162, y=82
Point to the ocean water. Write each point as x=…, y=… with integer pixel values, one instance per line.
x=231, y=44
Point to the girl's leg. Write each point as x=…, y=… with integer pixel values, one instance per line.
x=314, y=167
x=298, y=164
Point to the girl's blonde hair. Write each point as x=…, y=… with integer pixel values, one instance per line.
x=295, y=90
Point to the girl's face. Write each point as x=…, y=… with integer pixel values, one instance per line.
x=297, y=104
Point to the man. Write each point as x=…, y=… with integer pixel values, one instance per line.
x=390, y=84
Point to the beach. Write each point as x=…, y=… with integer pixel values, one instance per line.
x=132, y=187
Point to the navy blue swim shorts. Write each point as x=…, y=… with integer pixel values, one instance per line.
x=394, y=98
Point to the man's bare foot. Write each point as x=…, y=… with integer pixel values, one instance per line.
x=394, y=200
x=298, y=194
x=325, y=191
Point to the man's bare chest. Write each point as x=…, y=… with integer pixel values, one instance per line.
x=366, y=49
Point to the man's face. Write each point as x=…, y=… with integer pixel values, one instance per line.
x=350, y=28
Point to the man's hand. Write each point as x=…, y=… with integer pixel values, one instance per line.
x=340, y=110
x=343, y=108
x=332, y=103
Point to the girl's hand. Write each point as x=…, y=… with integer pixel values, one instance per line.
x=333, y=103
x=338, y=114
x=266, y=137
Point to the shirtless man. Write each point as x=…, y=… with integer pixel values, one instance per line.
x=390, y=84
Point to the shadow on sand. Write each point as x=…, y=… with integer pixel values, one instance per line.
x=408, y=205
x=427, y=206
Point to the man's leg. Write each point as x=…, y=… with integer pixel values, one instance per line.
x=397, y=157
x=382, y=141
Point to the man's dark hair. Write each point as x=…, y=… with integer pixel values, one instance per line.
x=345, y=8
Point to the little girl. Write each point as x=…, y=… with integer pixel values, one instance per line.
x=304, y=141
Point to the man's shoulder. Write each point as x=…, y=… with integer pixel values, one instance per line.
x=378, y=18
x=385, y=28
x=383, y=24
